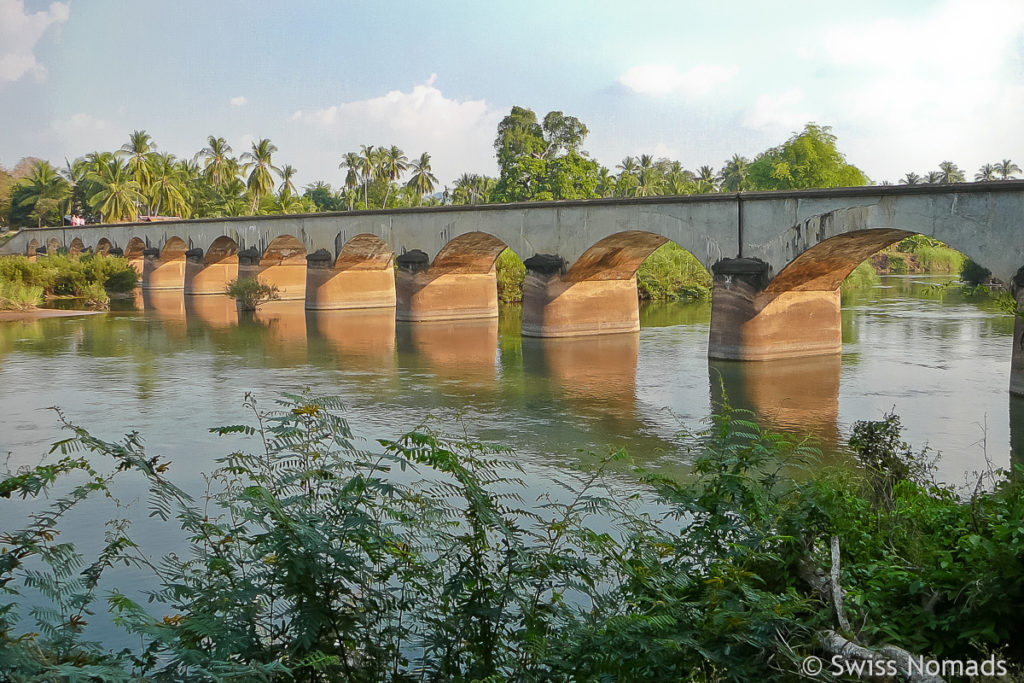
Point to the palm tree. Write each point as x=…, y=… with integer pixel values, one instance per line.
x=950, y=173
x=626, y=167
x=287, y=186
x=985, y=173
x=367, y=169
x=1006, y=169
x=351, y=162
x=120, y=194
x=393, y=163
x=911, y=178
x=260, y=167
x=733, y=175
x=422, y=180
x=648, y=184
x=218, y=164
x=605, y=183
x=706, y=180
x=44, y=190
x=167, y=191
x=140, y=149
x=933, y=177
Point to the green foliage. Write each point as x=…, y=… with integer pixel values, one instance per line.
x=671, y=272
x=309, y=560
x=808, y=159
x=974, y=273
x=63, y=275
x=250, y=293
x=510, y=273
x=933, y=255
x=861, y=277
x=18, y=296
x=898, y=264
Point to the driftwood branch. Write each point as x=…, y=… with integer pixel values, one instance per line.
x=833, y=643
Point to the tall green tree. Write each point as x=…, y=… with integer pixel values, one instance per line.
x=950, y=173
x=139, y=151
x=168, y=190
x=119, y=196
x=218, y=164
x=422, y=180
x=368, y=169
x=733, y=175
x=986, y=173
x=1007, y=169
x=287, y=186
x=41, y=194
x=260, y=167
x=808, y=159
x=910, y=178
x=393, y=163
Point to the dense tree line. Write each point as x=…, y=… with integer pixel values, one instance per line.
x=538, y=159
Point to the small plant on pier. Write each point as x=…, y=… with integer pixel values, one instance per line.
x=250, y=293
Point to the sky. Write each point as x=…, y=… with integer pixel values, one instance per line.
x=904, y=85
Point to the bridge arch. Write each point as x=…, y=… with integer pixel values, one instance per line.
x=283, y=250
x=76, y=247
x=471, y=252
x=362, y=276
x=221, y=249
x=282, y=265
x=173, y=250
x=33, y=246
x=210, y=272
x=134, y=249
x=52, y=246
x=365, y=252
x=824, y=266
x=616, y=257
x=103, y=246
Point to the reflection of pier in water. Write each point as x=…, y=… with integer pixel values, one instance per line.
x=798, y=395
x=167, y=306
x=463, y=351
x=355, y=336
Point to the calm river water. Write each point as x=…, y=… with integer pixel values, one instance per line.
x=171, y=367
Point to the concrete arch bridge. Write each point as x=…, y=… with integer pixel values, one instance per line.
x=778, y=258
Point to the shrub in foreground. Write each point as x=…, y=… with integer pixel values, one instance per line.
x=310, y=560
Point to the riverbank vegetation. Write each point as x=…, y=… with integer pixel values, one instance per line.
x=309, y=560
x=24, y=283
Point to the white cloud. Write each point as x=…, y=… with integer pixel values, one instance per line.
x=457, y=133
x=778, y=112
x=83, y=132
x=941, y=86
x=19, y=33
x=665, y=79
x=239, y=101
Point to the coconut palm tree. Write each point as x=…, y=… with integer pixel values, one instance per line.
x=1006, y=169
x=351, y=162
x=706, y=180
x=950, y=173
x=260, y=167
x=119, y=196
x=605, y=183
x=287, y=186
x=626, y=167
x=393, y=163
x=733, y=175
x=422, y=180
x=218, y=164
x=933, y=177
x=986, y=173
x=167, y=190
x=648, y=184
x=139, y=151
x=911, y=178
x=368, y=165
x=44, y=189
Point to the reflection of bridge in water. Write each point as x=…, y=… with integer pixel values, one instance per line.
x=778, y=259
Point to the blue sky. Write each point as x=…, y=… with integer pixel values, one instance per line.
x=904, y=85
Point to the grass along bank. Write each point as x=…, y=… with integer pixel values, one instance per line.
x=24, y=283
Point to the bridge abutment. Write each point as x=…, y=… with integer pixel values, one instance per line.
x=749, y=323
x=424, y=293
x=554, y=307
x=362, y=284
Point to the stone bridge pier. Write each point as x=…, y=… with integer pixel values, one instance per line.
x=363, y=276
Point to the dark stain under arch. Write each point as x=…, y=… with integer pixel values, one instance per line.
x=615, y=257
x=365, y=252
x=472, y=252
x=824, y=266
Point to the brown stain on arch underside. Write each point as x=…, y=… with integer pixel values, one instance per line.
x=615, y=257
x=134, y=248
x=282, y=249
x=365, y=252
x=174, y=250
x=472, y=252
x=104, y=246
x=222, y=249
x=824, y=266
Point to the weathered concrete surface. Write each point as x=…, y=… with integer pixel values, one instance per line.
x=210, y=272
x=748, y=324
x=425, y=295
x=363, y=276
x=553, y=307
x=160, y=274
